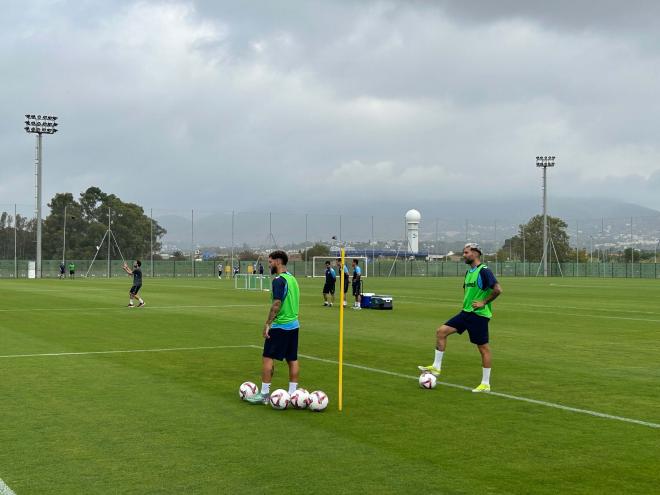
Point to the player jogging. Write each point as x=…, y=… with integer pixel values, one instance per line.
x=357, y=284
x=137, y=282
x=281, y=327
x=329, y=286
x=62, y=269
x=481, y=289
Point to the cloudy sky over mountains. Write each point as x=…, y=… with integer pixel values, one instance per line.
x=239, y=105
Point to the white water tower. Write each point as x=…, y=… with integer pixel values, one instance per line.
x=413, y=218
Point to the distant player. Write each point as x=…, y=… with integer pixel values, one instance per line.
x=329, y=285
x=357, y=284
x=281, y=327
x=220, y=268
x=72, y=270
x=346, y=277
x=481, y=289
x=137, y=282
x=62, y=270
x=261, y=269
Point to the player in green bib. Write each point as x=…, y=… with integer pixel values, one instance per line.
x=281, y=327
x=481, y=288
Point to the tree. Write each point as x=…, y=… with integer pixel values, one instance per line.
x=87, y=223
x=532, y=232
x=318, y=249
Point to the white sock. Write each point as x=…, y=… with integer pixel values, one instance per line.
x=486, y=376
x=265, y=388
x=141, y=301
x=130, y=302
x=437, y=363
x=292, y=387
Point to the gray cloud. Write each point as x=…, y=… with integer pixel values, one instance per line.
x=215, y=104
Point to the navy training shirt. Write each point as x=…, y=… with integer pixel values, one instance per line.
x=330, y=275
x=137, y=276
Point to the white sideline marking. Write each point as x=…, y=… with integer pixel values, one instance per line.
x=4, y=489
x=124, y=308
x=497, y=394
x=126, y=351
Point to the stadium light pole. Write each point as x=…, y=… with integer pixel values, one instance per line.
x=544, y=162
x=39, y=125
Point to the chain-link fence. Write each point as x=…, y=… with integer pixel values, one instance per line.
x=196, y=241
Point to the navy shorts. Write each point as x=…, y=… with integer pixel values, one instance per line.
x=329, y=288
x=134, y=289
x=357, y=288
x=477, y=326
x=345, y=283
x=282, y=344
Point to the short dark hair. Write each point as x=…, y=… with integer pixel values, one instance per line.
x=279, y=255
x=138, y=262
x=327, y=262
x=357, y=262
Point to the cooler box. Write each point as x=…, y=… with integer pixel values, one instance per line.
x=381, y=302
x=366, y=299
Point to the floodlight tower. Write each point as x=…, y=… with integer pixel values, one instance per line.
x=39, y=124
x=545, y=162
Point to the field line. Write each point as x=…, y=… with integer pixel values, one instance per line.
x=126, y=351
x=496, y=394
x=4, y=489
x=124, y=308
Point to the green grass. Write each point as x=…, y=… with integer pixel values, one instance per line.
x=171, y=422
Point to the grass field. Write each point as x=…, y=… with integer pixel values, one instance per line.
x=168, y=420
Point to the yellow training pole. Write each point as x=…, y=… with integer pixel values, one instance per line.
x=340, y=402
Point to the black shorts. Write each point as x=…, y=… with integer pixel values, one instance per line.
x=477, y=326
x=357, y=288
x=282, y=344
x=329, y=288
x=134, y=289
x=345, y=283
x=71, y=272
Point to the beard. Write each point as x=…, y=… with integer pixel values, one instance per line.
x=273, y=270
x=468, y=262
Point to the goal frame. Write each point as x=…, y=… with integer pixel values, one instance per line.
x=364, y=263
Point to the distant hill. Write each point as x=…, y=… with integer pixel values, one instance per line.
x=487, y=222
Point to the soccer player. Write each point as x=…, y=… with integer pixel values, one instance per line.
x=357, y=284
x=137, y=282
x=481, y=289
x=346, y=277
x=329, y=286
x=220, y=268
x=281, y=327
x=62, y=269
x=72, y=270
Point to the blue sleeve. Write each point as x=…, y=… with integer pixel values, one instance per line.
x=358, y=270
x=487, y=279
x=279, y=289
x=332, y=272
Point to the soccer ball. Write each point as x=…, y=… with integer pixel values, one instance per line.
x=427, y=380
x=247, y=390
x=300, y=399
x=280, y=399
x=318, y=401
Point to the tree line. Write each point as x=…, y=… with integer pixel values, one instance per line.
x=86, y=224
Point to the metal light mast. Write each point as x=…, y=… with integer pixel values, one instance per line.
x=39, y=124
x=545, y=162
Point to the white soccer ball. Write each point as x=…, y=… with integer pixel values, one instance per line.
x=300, y=398
x=427, y=380
x=318, y=401
x=247, y=390
x=280, y=399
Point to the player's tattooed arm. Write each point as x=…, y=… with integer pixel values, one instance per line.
x=274, y=309
x=497, y=290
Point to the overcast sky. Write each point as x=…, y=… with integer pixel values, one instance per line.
x=236, y=105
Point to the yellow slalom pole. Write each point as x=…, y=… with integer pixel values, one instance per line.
x=340, y=402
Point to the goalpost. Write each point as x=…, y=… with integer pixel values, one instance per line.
x=318, y=265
